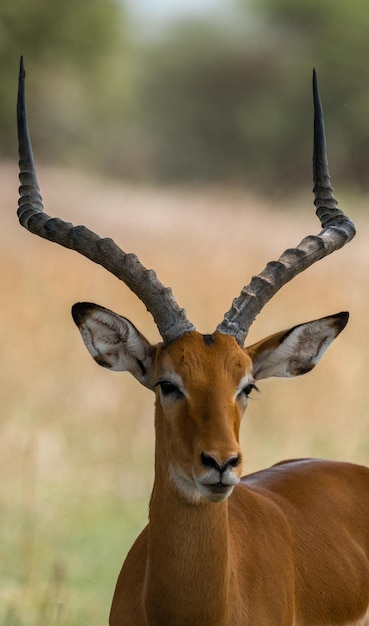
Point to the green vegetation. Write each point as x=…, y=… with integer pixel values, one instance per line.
x=76, y=55
x=223, y=98
x=60, y=563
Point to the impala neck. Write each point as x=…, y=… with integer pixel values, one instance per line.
x=188, y=576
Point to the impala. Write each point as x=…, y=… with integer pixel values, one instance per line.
x=286, y=546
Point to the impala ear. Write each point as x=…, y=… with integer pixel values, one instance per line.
x=295, y=351
x=114, y=342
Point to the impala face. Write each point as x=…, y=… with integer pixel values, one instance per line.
x=202, y=383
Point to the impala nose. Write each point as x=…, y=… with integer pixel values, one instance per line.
x=211, y=461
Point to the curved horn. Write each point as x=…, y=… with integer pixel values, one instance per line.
x=170, y=319
x=337, y=231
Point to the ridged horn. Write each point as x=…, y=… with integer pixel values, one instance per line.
x=337, y=231
x=170, y=319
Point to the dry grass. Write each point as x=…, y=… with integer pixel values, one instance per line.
x=76, y=441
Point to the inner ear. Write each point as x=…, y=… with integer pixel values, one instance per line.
x=114, y=342
x=296, y=351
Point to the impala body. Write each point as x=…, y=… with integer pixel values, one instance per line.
x=287, y=546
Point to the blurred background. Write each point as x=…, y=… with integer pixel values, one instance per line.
x=189, y=91
x=184, y=130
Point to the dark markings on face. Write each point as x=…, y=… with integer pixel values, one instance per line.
x=208, y=340
x=141, y=366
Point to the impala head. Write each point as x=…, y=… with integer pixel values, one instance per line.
x=201, y=382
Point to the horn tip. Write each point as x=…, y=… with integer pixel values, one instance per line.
x=316, y=96
x=22, y=73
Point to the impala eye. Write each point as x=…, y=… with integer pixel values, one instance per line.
x=248, y=389
x=168, y=389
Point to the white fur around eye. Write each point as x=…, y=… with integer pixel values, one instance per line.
x=172, y=378
x=244, y=382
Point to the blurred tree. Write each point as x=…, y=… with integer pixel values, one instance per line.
x=76, y=54
x=199, y=108
x=232, y=101
x=211, y=99
x=332, y=36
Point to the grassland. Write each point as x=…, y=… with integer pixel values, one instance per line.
x=76, y=442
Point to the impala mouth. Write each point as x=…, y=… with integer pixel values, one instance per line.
x=208, y=487
x=215, y=492
x=218, y=492
x=218, y=488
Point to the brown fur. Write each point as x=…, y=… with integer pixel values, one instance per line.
x=289, y=547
